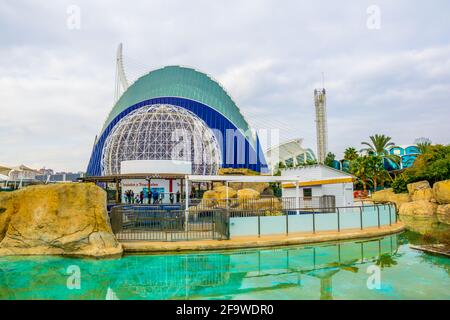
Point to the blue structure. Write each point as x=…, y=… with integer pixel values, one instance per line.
x=200, y=95
x=407, y=154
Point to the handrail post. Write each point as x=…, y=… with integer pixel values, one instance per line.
x=360, y=217
x=338, y=220
x=314, y=221
x=213, y=221
x=378, y=213
x=259, y=223
x=287, y=222
x=390, y=215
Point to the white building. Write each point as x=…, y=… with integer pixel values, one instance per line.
x=163, y=187
x=289, y=153
x=320, y=180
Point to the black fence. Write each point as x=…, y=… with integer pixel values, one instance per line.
x=151, y=223
x=265, y=206
x=211, y=219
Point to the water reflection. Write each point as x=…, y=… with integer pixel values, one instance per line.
x=247, y=274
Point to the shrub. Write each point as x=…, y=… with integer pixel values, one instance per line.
x=399, y=184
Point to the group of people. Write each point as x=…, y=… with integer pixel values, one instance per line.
x=153, y=197
x=130, y=197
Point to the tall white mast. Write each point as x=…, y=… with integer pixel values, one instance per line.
x=121, y=78
x=320, y=102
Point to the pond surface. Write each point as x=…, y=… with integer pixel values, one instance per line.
x=345, y=270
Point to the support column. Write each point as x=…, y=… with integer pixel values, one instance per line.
x=149, y=185
x=186, y=212
x=297, y=197
x=118, y=197
x=227, y=195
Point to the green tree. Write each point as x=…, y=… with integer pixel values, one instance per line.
x=378, y=145
x=422, y=144
x=329, y=159
x=360, y=167
x=433, y=165
x=399, y=183
x=350, y=154
x=377, y=170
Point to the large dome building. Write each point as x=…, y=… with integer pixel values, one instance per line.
x=176, y=113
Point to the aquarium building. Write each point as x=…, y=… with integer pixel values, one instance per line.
x=175, y=119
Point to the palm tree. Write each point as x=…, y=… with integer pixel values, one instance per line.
x=422, y=144
x=350, y=154
x=378, y=171
x=360, y=167
x=378, y=146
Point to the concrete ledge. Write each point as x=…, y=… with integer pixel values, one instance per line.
x=263, y=241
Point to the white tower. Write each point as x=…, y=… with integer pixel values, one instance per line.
x=121, y=78
x=320, y=102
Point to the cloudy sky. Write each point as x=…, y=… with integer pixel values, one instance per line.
x=389, y=75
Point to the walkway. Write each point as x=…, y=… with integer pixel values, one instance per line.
x=263, y=241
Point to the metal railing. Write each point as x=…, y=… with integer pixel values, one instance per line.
x=150, y=223
x=269, y=206
x=312, y=220
x=174, y=223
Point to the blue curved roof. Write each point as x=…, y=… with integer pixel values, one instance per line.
x=182, y=82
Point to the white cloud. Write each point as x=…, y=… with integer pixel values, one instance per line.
x=57, y=84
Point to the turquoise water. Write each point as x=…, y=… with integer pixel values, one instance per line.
x=331, y=271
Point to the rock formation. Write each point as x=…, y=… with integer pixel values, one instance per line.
x=441, y=192
x=418, y=208
x=413, y=187
x=247, y=194
x=58, y=219
x=443, y=213
x=423, y=209
x=388, y=195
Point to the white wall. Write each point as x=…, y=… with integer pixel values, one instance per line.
x=156, y=166
x=315, y=172
x=343, y=192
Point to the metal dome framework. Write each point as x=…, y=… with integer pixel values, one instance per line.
x=162, y=132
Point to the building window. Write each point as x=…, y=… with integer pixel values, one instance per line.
x=307, y=193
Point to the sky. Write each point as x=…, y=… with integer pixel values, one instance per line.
x=386, y=67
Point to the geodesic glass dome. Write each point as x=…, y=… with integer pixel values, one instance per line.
x=162, y=132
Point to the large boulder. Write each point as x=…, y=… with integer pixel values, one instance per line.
x=270, y=206
x=441, y=191
x=388, y=195
x=413, y=187
x=423, y=194
x=6, y=211
x=223, y=191
x=59, y=219
x=209, y=199
x=443, y=213
x=216, y=197
x=247, y=198
x=382, y=195
x=247, y=194
x=418, y=208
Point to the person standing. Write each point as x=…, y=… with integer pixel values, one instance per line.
x=141, y=197
x=178, y=196
x=155, y=197
x=150, y=195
